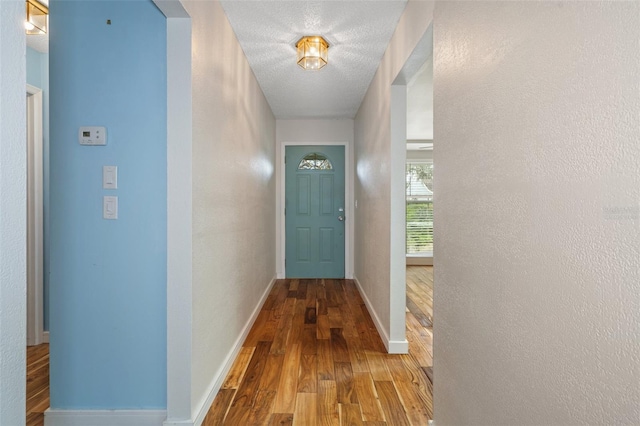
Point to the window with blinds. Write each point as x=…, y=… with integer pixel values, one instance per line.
x=419, y=188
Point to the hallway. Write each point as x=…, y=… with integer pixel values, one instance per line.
x=314, y=357
x=307, y=329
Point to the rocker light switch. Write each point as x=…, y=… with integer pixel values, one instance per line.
x=110, y=177
x=110, y=207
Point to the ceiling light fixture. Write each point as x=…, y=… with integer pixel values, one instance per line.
x=313, y=52
x=37, y=14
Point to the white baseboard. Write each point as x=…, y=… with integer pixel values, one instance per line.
x=104, y=417
x=393, y=346
x=219, y=377
x=419, y=260
x=398, y=347
x=45, y=337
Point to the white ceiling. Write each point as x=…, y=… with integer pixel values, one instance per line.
x=39, y=42
x=358, y=32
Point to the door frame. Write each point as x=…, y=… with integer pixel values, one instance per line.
x=348, y=208
x=35, y=219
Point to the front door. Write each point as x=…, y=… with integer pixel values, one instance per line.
x=314, y=211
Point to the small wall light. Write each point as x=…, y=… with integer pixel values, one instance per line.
x=313, y=52
x=37, y=16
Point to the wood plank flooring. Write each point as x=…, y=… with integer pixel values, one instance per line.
x=37, y=383
x=314, y=357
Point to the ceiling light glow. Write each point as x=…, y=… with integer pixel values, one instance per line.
x=313, y=52
x=37, y=17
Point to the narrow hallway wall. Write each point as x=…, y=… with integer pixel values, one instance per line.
x=233, y=198
x=373, y=179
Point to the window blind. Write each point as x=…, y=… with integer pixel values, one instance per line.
x=419, y=191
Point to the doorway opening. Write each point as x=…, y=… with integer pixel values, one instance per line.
x=412, y=201
x=37, y=398
x=419, y=215
x=37, y=132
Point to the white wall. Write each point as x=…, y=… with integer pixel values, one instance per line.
x=537, y=275
x=423, y=154
x=13, y=207
x=319, y=132
x=233, y=196
x=373, y=179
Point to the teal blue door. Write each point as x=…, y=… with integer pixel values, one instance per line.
x=314, y=211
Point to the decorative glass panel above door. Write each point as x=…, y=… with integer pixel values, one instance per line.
x=315, y=161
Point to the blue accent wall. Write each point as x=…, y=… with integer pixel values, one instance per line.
x=108, y=277
x=38, y=76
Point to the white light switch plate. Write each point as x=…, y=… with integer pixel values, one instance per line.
x=110, y=207
x=110, y=177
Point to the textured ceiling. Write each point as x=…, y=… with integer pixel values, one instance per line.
x=38, y=42
x=358, y=32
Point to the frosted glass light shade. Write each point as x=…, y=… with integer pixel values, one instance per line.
x=37, y=15
x=313, y=52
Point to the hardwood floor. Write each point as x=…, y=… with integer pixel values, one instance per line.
x=420, y=314
x=314, y=357
x=37, y=383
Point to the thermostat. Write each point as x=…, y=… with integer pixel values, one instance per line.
x=92, y=135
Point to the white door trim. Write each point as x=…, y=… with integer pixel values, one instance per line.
x=397, y=222
x=348, y=201
x=35, y=194
x=179, y=211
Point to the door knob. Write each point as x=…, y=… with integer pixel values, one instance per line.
x=341, y=218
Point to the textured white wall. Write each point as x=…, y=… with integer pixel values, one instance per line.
x=233, y=193
x=372, y=177
x=321, y=131
x=420, y=103
x=13, y=207
x=537, y=276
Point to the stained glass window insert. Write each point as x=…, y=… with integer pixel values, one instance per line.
x=315, y=161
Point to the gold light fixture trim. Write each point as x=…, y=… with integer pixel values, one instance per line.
x=37, y=18
x=313, y=52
